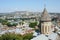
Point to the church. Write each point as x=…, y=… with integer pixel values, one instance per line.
x=46, y=26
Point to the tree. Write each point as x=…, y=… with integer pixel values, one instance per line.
x=28, y=36
x=11, y=36
x=11, y=24
x=3, y=21
x=21, y=23
x=33, y=24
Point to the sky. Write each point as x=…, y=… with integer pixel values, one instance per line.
x=29, y=5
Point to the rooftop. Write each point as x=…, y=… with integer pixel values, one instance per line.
x=45, y=16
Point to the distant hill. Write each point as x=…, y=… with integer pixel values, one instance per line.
x=24, y=13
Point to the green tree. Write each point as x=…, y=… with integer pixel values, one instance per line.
x=11, y=36
x=28, y=36
x=21, y=23
x=33, y=24
x=11, y=24
x=3, y=21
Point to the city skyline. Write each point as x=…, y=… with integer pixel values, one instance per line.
x=29, y=5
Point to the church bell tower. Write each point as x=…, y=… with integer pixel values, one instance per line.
x=45, y=22
x=46, y=25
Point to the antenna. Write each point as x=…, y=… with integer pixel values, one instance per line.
x=44, y=3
